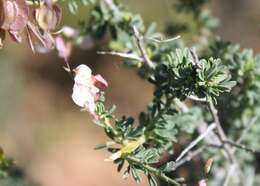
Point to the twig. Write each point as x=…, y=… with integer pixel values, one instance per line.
x=121, y=54
x=140, y=44
x=196, y=141
x=196, y=61
x=189, y=156
x=221, y=134
x=240, y=146
x=214, y=113
x=164, y=40
x=182, y=106
x=222, y=137
x=195, y=98
x=245, y=131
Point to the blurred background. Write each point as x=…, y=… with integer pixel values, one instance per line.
x=47, y=135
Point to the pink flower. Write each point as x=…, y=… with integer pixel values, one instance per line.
x=87, y=88
x=63, y=48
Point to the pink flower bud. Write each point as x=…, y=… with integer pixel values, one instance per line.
x=63, y=48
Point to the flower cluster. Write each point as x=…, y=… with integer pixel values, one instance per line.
x=16, y=17
x=87, y=88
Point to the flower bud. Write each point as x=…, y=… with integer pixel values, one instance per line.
x=63, y=48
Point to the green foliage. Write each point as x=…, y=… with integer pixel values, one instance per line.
x=178, y=74
x=168, y=167
x=181, y=78
x=225, y=76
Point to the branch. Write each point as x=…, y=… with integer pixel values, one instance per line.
x=182, y=106
x=164, y=40
x=245, y=131
x=189, y=156
x=140, y=44
x=121, y=54
x=240, y=146
x=222, y=136
x=196, y=141
x=196, y=61
x=195, y=98
x=214, y=113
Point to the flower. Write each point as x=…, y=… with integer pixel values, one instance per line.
x=87, y=88
x=14, y=16
x=64, y=49
x=48, y=15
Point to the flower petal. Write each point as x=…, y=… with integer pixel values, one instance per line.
x=15, y=36
x=22, y=15
x=100, y=82
x=83, y=75
x=83, y=98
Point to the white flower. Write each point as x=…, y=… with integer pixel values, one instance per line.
x=87, y=87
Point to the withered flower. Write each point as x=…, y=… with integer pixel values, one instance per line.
x=14, y=15
x=14, y=18
x=48, y=16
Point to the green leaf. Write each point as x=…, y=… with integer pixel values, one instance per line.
x=168, y=167
x=148, y=155
x=151, y=180
x=135, y=175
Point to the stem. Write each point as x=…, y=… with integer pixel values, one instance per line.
x=240, y=146
x=140, y=44
x=214, y=113
x=189, y=156
x=153, y=170
x=122, y=55
x=222, y=137
x=221, y=134
x=196, y=141
x=244, y=132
